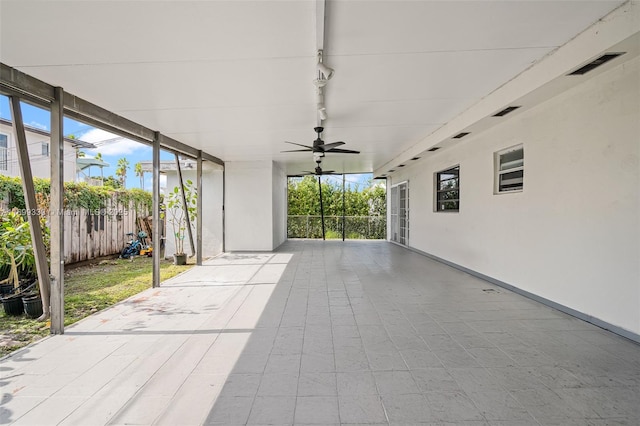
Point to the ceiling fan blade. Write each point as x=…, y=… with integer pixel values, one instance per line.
x=299, y=144
x=298, y=150
x=332, y=145
x=342, y=151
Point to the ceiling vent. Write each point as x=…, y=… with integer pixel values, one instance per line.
x=460, y=135
x=596, y=63
x=505, y=111
x=401, y=165
x=435, y=148
x=391, y=171
x=415, y=158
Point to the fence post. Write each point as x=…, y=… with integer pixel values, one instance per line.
x=307, y=234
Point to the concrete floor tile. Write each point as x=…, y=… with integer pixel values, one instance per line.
x=452, y=406
x=407, y=409
x=317, y=384
x=395, y=383
x=242, y=385
x=283, y=363
x=356, y=383
x=361, y=409
x=434, y=379
x=233, y=410
x=273, y=410
x=318, y=362
x=317, y=410
x=278, y=384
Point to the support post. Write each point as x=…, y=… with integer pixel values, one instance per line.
x=56, y=212
x=343, y=209
x=321, y=208
x=224, y=200
x=32, y=208
x=199, y=217
x=185, y=206
x=157, y=242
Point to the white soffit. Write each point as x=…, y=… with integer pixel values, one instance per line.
x=234, y=77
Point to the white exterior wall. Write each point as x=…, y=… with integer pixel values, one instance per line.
x=573, y=235
x=248, y=205
x=40, y=164
x=211, y=212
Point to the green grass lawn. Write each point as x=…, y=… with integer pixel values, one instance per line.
x=88, y=289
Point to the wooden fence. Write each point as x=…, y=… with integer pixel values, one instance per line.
x=89, y=234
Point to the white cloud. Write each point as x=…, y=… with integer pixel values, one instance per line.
x=110, y=144
x=37, y=125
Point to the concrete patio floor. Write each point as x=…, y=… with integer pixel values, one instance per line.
x=325, y=333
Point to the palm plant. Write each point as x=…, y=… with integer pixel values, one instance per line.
x=121, y=171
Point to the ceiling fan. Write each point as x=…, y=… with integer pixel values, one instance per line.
x=318, y=172
x=320, y=147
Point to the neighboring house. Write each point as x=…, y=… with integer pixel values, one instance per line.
x=38, y=143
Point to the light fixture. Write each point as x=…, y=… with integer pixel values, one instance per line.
x=322, y=111
x=320, y=82
x=324, y=70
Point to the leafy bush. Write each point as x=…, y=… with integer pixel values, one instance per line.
x=76, y=194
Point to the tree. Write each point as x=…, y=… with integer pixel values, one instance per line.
x=140, y=173
x=365, y=208
x=111, y=182
x=99, y=156
x=121, y=171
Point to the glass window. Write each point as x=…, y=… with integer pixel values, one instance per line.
x=4, y=145
x=448, y=190
x=509, y=173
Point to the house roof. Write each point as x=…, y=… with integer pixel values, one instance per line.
x=77, y=143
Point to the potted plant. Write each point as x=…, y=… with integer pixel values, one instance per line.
x=17, y=252
x=177, y=217
x=32, y=304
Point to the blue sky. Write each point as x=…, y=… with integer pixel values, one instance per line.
x=112, y=152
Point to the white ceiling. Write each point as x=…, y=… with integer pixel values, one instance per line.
x=235, y=78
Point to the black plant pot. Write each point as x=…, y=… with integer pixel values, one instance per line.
x=32, y=306
x=13, y=305
x=6, y=289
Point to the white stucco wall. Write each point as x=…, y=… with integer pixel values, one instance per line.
x=248, y=205
x=211, y=209
x=573, y=234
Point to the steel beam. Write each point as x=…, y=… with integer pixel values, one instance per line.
x=343, y=208
x=56, y=213
x=157, y=241
x=32, y=208
x=185, y=206
x=12, y=78
x=321, y=207
x=199, y=218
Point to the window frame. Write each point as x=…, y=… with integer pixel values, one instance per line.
x=45, y=149
x=497, y=173
x=5, y=160
x=436, y=189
